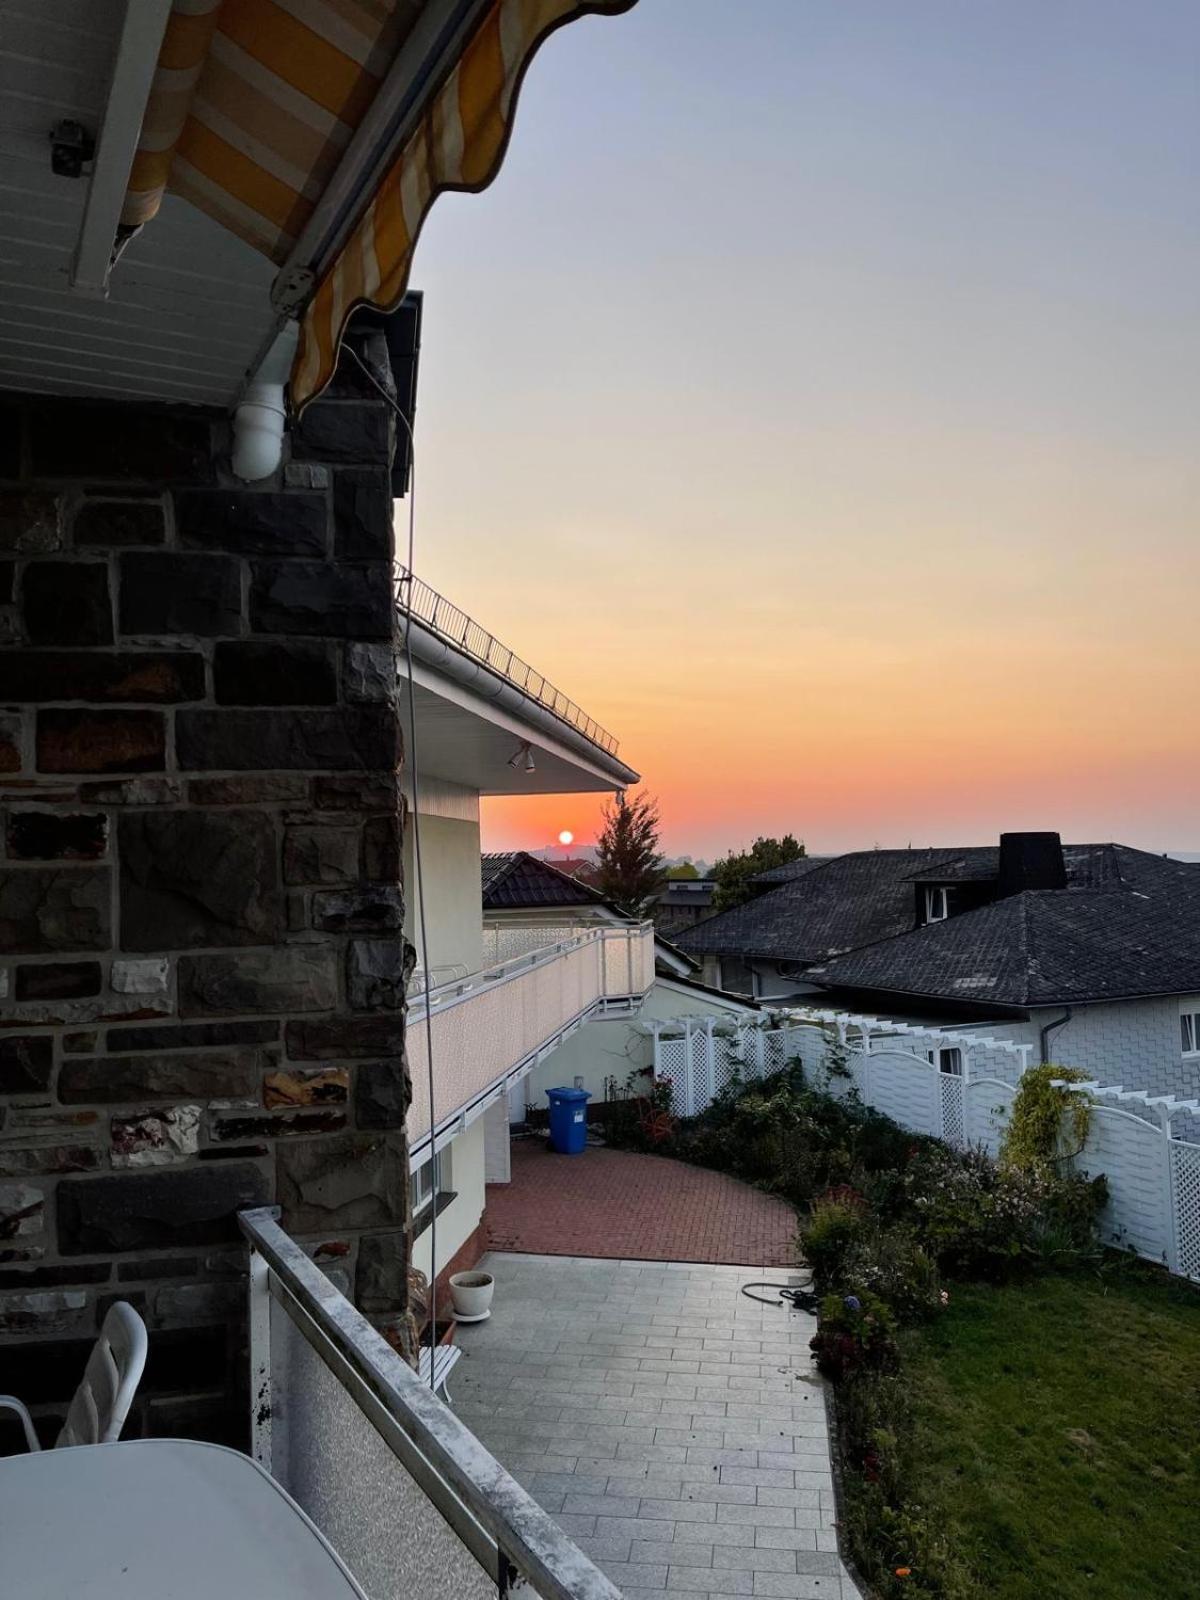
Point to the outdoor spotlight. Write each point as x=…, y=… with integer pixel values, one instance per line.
x=523, y=756
x=530, y=764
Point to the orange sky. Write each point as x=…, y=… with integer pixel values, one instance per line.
x=862, y=502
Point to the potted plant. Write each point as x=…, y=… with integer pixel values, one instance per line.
x=472, y=1294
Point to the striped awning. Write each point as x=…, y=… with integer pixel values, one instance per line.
x=255, y=101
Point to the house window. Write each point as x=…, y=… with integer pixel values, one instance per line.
x=937, y=905
x=948, y=1059
x=427, y=1183
x=1189, y=1032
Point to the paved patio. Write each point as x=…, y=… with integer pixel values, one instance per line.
x=667, y=1422
x=619, y=1203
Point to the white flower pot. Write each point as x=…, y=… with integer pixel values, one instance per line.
x=472, y=1293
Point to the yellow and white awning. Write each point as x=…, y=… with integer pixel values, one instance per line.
x=254, y=103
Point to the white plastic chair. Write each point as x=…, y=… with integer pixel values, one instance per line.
x=101, y=1403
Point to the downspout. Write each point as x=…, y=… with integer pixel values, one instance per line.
x=261, y=412
x=1053, y=1027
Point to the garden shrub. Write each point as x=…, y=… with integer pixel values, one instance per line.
x=1047, y=1126
x=835, y=1223
x=854, y=1332
x=891, y=1263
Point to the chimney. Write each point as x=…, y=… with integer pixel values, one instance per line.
x=1030, y=861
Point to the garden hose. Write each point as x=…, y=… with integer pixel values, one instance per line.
x=799, y=1298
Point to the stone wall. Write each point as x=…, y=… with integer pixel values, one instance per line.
x=201, y=964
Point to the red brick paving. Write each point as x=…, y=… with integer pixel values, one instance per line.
x=619, y=1203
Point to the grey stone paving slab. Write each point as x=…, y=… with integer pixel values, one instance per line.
x=666, y=1421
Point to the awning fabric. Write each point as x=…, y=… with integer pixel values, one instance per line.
x=254, y=102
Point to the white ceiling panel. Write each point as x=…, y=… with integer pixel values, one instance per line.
x=188, y=306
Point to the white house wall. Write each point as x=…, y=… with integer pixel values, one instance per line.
x=458, y=1221
x=1134, y=1043
x=616, y=1048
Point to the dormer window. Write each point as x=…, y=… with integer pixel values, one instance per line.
x=937, y=905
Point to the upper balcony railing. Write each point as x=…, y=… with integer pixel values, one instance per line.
x=403, y=1491
x=487, y=1030
x=435, y=612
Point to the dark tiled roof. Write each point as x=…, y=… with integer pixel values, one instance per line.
x=791, y=870
x=1127, y=924
x=838, y=904
x=514, y=880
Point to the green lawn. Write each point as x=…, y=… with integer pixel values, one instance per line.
x=1056, y=1436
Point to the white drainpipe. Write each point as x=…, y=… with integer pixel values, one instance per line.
x=261, y=413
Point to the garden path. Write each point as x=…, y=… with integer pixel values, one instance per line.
x=619, y=1203
x=672, y=1426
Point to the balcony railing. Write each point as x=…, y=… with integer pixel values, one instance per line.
x=407, y=1496
x=488, y=1030
x=435, y=612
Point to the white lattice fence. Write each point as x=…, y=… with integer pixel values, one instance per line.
x=1185, y=1205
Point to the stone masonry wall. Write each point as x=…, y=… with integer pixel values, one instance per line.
x=201, y=963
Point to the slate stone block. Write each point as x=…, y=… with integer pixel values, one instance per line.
x=119, y=522
x=240, y=741
x=321, y=598
x=34, y=1160
x=67, y=602
x=26, y=1063
x=363, y=792
x=50, y=836
x=30, y=521
x=167, y=593
x=156, y=1210
x=159, y=677
x=382, y=849
x=22, y=1210
x=100, y=741
x=11, y=727
x=252, y=521
x=288, y=979
x=47, y=909
x=351, y=431
x=124, y=1080
x=108, y=443
x=382, y=1093
x=235, y=1127
x=251, y=791
x=345, y=1037
x=159, y=1138
x=293, y=672
x=58, y=980
x=362, y=514
x=192, y=1035
x=133, y=792
x=381, y=1278
x=377, y=973
x=370, y=672
x=192, y=878
x=320, y=855
x=350, y=1181
x=379, y=909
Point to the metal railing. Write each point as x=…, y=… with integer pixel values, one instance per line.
x=487, y=1030
x=407, y=1495
x=435, y=612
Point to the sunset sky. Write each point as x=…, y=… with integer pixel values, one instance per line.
x=814, y=398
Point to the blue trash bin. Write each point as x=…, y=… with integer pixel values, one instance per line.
x=568, y=1120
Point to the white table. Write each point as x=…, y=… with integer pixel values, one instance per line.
x=158, y=1519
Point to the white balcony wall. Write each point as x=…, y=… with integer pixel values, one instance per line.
x=488, y=1029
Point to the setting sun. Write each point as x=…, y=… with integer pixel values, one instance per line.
x=566, y=837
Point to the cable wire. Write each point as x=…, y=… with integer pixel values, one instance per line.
x=416, y=827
